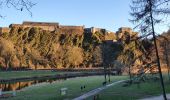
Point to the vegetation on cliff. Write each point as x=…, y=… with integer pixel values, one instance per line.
x=36, y=48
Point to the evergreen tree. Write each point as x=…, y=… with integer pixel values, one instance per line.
x=147, y=13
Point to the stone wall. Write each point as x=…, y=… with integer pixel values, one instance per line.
x=94, y=29
x=124, y=30
x=43, y=25
x=61, y=28
x=39, y=23
x=72, y=29
x=52, y=27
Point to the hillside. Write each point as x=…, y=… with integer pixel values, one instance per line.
x=35, y=48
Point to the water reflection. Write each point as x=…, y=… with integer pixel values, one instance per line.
x=12, y=86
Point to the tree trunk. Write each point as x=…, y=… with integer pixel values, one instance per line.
x=156, y=48
x=130, y=76
x=105, y=73
x=109, y=72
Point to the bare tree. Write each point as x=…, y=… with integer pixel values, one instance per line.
x=7, y=51
x=97, y=56
x=74, y=56
x=18, y=5
x=148, y=13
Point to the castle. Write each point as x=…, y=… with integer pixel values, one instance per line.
x=123, y=30
x=52, y=27
x=67, y=29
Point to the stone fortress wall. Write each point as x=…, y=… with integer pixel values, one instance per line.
x=43, y=25
x=124, y=30
x=94, y=29
x=72, y=29
x=50, y=27
x=66, y=29
x=55, y=26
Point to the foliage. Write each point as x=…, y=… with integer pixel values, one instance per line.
x=36, y=48
x=97, y=56
x=7, y=51
x=74, y=56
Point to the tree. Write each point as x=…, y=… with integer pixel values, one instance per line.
x=18, y=5
x=97, y=55
x=143, y=10
x=118, y=65
x=74, y=56
x=109, y=54
x=129, y=55
x=163, y=43
x=57, y=57
x=7, y=51
x=147, y=13
x=35, y=57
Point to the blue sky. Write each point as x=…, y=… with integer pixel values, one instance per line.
x=109, y=14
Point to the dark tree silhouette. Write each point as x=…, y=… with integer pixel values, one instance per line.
x=147, y=13
x=142, y=11
x=18, y=5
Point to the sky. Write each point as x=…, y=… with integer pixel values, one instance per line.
x=108, y=14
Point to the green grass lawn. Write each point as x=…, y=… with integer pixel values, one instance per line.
x=133, y=92
x=47, y=91
x=51, y=91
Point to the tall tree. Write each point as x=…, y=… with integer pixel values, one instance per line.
x=147, y=13
x=7, y=51
x=97, y=56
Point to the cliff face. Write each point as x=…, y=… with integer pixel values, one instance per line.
x=50, y=45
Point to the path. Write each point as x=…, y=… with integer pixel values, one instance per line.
x=96, y=91
x=157, y=97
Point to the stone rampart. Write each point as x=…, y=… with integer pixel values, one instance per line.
x=72, y=29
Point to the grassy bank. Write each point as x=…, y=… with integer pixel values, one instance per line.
x=133, y=92
x=51, y=91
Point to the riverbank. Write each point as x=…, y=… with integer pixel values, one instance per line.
x=51, y=91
